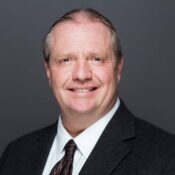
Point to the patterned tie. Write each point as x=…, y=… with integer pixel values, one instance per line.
x=64, y=166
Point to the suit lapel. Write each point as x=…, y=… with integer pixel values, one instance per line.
x=110, y=150
x=43, y=143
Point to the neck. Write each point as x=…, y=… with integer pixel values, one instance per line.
x=75, y=125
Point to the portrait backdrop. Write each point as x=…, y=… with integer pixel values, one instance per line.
x=147, y=33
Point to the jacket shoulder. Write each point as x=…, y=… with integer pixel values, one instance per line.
x=151, y=141
x=31, y=148
x=35, y=136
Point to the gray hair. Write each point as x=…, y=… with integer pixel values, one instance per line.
x=91, y=15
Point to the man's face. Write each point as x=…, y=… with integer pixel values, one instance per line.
x=82, y=70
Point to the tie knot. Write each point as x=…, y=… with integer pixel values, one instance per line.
x=70, y=148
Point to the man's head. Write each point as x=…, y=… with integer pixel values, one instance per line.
x=89, y=15
x=83, y=61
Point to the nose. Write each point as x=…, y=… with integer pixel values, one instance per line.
x=82, y=71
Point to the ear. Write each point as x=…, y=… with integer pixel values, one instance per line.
x=119, y=68
x=48, y=72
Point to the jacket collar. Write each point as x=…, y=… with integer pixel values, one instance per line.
x=111, y=147
x=44, y=142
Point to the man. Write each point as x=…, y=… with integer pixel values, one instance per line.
x=83, y=61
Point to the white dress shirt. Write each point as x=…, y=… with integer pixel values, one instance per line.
x=85, y=142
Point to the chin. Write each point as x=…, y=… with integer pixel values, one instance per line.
x=83, y=110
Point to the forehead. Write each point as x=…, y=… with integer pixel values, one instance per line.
x=80, y=34
x=81, y=23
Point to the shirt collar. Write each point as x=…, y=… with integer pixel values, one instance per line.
x=86, y=140
x=62, y=136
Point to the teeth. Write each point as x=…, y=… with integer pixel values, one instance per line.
x=82, y=90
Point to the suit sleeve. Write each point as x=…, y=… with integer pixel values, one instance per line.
x=170, y=168
x=3, y=157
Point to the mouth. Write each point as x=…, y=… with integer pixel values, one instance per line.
x=83, y=90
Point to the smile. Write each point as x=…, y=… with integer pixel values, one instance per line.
x=83, y=90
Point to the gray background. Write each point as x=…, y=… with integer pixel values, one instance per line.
x=147, y=32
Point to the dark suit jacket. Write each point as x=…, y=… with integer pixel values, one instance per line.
x=128, y=146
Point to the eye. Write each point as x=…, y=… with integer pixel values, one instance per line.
x=65, y=60
x=97, y=60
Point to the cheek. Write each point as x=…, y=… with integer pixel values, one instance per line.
x=57, y=79
x=106, y=75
